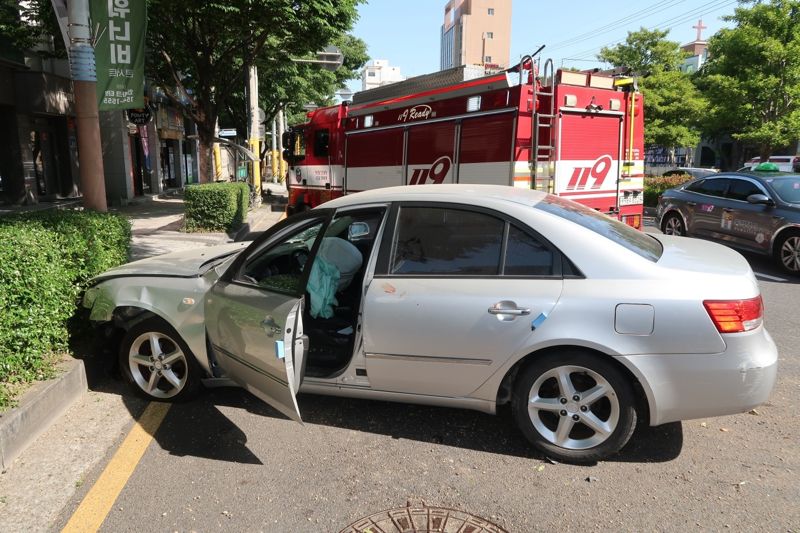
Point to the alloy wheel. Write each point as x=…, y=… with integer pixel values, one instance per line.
x=790, y=253
x=674, y=226
x=158, y=365
x=573, y=407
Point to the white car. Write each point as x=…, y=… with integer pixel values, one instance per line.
x=464, y=296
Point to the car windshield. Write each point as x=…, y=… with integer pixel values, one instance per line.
x=612, y=229
x=787, y=188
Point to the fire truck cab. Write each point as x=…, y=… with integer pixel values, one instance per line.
x=573, y=134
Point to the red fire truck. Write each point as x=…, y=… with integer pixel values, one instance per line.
x=574, y=134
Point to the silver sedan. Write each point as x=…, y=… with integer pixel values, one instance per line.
x=465, y=296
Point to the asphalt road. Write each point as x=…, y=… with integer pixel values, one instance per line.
x=229, y=462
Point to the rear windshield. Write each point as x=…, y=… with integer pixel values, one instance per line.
x=612, y=229
x=787, y=188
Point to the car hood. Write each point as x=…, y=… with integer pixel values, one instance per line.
x=185, y=264
x=696, y=255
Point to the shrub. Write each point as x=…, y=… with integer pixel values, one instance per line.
x=656, y=185
x=46, y=258
x=216, y=206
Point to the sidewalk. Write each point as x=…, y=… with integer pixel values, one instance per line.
x=48, y=455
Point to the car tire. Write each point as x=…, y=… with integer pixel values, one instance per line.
x=787, y=252
x=551, y=407
x=169, y=375
x=673, y=225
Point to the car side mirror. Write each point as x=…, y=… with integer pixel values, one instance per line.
x=357, y=230
x=762, y=199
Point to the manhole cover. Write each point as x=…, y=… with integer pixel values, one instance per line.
x=422, y=520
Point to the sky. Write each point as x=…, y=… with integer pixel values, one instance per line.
x=407, y=32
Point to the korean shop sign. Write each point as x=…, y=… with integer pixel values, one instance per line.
x=119, y=52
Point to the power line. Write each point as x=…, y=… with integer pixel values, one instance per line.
x=668, y=24
x=611, y=26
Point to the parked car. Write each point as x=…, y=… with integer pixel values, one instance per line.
x=753, y=211
x=785, y=163
x=467, y=296
x=690, y=171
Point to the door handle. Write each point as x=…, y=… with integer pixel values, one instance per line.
x=516, y=312
x=727, y=210
x=507, y=307
x=691, y=204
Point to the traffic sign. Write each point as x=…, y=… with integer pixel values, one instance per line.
x=227, y=132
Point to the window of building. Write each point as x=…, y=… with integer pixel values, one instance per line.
x=491, y=11
x=490, y=35
x=487, y=59
x=371, y=74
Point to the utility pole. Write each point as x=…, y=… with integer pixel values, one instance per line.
x=275, y=154
x=253, y=134
x=84, y=80
x=281, y=128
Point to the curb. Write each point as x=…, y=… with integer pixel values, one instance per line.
x=39, y=407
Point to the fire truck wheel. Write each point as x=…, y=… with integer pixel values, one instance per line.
x=673, y=225
x=574, y=407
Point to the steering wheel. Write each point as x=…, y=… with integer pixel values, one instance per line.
x=299, y=259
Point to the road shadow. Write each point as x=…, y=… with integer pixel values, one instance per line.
x=458, y=428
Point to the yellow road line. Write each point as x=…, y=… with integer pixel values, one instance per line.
x=94, y=508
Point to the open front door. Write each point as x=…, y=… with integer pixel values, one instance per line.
x=263, y=353
x=254, y=318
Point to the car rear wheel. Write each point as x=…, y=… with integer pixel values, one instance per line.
x=787, y=252
x=157, y=364
x=673, y=225
x=574, y=407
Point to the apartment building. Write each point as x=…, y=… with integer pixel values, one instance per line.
x=476, y=32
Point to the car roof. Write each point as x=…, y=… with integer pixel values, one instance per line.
x=446, y=192
x=758, y=175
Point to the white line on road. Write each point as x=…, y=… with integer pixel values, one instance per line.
x=767, y=276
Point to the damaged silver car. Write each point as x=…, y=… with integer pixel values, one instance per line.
x=468, y=296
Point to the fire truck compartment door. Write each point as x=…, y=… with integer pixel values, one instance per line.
x=588, y=166
x=430, y=153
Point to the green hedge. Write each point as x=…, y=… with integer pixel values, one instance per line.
x=46, y=258
x=656, y=185
x=216, y=206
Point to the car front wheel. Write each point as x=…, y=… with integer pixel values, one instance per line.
x=574, y=407
x=673, y=225
x=787, y=252
x=157, y=364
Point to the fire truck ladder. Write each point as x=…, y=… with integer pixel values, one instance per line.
x=542, y=156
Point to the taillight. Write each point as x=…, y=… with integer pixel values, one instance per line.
x=735, y=316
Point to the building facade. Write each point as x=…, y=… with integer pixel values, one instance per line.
x=476, y=32
x=378, y=72
x=39, y=138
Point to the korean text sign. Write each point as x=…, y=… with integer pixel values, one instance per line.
x=119, y=52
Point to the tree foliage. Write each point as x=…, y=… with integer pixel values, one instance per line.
x=644, y=51
x=673, y=105
x=752, y=76
x=200, y=49
x=23, y=25
x=289, y=85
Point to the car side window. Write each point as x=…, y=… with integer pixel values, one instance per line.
x=741, y=189
x=446, y=241
x=526, y=256
x=711, y=187
x=281, y=265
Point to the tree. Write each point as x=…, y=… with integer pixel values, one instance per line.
x=752, y=76
x=200, y=49
x=643, y=51
x=673, y=105
x=287, y=84
x=23, y=25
